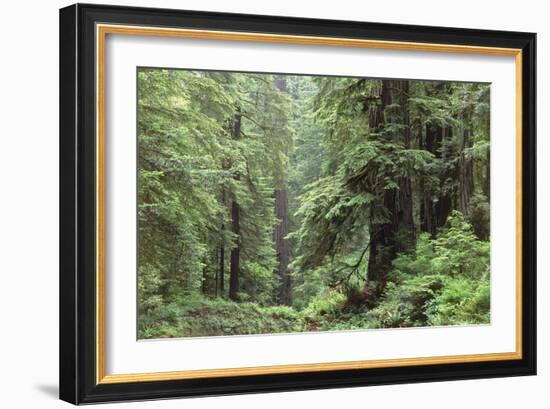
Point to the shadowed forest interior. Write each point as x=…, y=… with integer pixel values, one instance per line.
x=272, y=203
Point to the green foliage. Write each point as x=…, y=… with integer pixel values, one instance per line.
x=404, y=303
x=480, y=214
x=188, y=159
x=388, y=202
x=328, y=303
x=332, y=311
x=193, y=315
x=149, y=286
x=458, y=252
x=461, y=302
x=446, y=281
x=258, y=284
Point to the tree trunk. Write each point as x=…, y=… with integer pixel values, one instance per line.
x=404, y=201
x=487, y=184
x=397, y=234
x=432, y=144
x=444, y=203
x=204, y=284
x=437, y=205
x=282, y=246
x=234, y=271
x=221, y=273
x=217, y=273
x=466, y=175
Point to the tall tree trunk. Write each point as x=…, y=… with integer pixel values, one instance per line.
x=466, y=175
x=217, y=273
x=282, y=246
x=438, y=201
x=437, y=204
x=432, y=144
x=444, y=202
x=404, y=203
x=234, y=271
x=487, y=184
x=398, y=233
x=221, y=273
x=204, y=284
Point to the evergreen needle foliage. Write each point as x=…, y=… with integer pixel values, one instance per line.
x=275, y=203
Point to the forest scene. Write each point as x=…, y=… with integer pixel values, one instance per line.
x=273, y=203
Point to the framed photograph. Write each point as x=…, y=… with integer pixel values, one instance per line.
x=258, y=203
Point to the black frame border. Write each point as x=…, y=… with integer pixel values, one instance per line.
x=78, y=197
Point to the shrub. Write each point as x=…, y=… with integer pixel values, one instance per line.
x=326, y=303
x=461, y=302
x=445, y=282
x=458, y=252
x=149, y=282
x=404, y=304
x=480, y=213
x=194, y=315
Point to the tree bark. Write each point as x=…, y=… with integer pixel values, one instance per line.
x=282, y=246
x=234, y=271
x=217, y=273
x=398, y=233
x=432, y=144
x=404, y=204
x=437, y=205
x=221, y=273
x=487, y=184
x=204, y=284
x=466, y=175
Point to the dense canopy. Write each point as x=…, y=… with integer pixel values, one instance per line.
x=283, y=203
